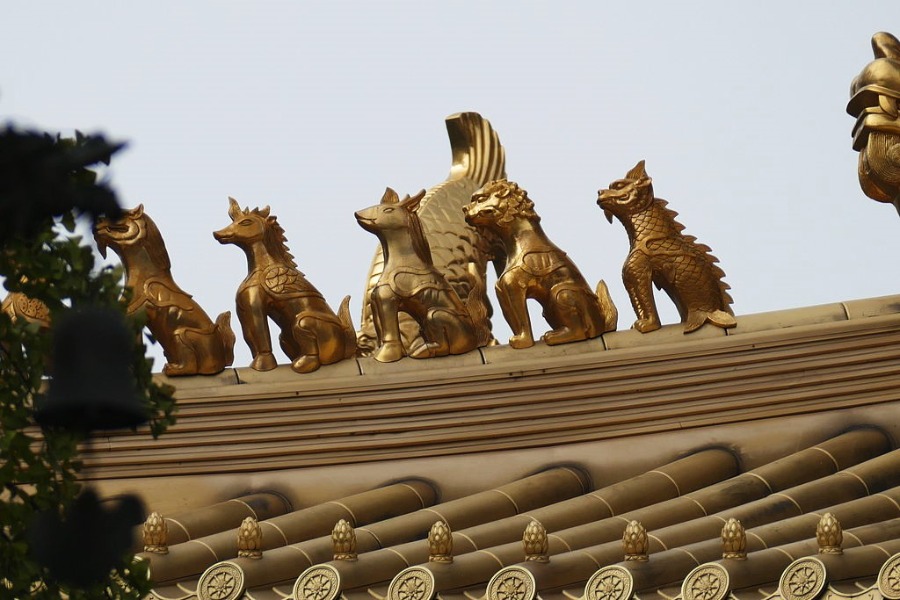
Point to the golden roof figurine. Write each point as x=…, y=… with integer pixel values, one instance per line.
x=311, y=333
x=661, y=254
x=537, y=268
x=191, y=342
x=875, y=102
x=409, y=282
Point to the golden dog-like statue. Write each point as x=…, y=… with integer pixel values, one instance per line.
x=311, y=333
x=537, y=268
x=409, y=282
x=191, y=342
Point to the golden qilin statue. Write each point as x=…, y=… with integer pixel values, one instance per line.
x=875, y=102
x=410, y=282
x=459, y=252
x=661, y=254
x=311, y=333
x=537, y=268
x=191, y=342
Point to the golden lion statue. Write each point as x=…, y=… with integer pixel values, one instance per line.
x=537, y=268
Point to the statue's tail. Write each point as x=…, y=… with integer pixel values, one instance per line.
x=350, y=346
x=223, y=326
x=478, y=311
x=477, y=153
x=607, y=307
x=719, y=318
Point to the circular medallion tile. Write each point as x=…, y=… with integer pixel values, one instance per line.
x=321, y=582
x=609, y=583
x=222, y=581
x=512, y=583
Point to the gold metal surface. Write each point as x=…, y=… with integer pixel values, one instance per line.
x=311, y=333
x=409, y=282
x=829, y=534
x=635, y=541
x=459, y=251
x=662, y=255
x=535, y=542
x=734, y=540
x=875, y=102
x=17, y=305
x=191, y=342
x=343, y=539
x=249, y=539
x=155, y=533
x=536, y=268
x=440, y=543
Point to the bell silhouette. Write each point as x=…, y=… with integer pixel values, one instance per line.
x=92, y=385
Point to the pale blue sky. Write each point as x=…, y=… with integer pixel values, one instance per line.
x=313, y=108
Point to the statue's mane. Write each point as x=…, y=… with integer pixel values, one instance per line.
x=274, y=238
x=152, y=241
x=516, y=202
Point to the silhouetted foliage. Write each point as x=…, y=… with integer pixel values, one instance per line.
x=45, y=180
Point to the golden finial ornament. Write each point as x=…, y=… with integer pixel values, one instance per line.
x=636, y=542
x=191, y=342
x=249, y=539
x=312, y=335
x=662, y=255
x=829, y=534
x=440, y=543
x=875, y=102
x=155, y=534
x=343, y=539
x=734, y=540
x=537, y=546
x=536, y=268
x=409, y=282
x=459, y=251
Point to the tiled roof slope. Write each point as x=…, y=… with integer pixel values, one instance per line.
x=787, y=417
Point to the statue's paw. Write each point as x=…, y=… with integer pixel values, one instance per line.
x=389, y=352
x=175, y=370
x=306, y=364
x=563, y=336
x=423, y=350
x=646, y=325
x=264, y=361
x=521, y=340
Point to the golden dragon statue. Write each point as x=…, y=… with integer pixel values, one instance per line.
x=459, y=251
x=875, y=102
x=661, y=254
x=191, y=342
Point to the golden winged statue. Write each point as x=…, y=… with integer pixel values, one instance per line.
x=459, y=251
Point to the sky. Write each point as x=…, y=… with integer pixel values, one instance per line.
x=738, y=109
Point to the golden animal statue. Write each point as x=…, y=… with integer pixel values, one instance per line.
x=191, y=342
x=311, y=333
x=410, y=283
x=875, y=102
x=661, y=254
x=458, y=250
x=537, y=268
x=17, y=305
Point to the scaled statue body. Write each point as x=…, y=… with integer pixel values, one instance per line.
x=409, y=283
x=661, y=254
x=191, y=342
x=458, y=251
x=311, y=333
x=537, y=268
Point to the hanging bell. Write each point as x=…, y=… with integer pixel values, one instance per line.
x=92, y=385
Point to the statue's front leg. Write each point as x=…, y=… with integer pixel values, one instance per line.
x=511, y=295
x=638, y=279
x=255, y=326
x=385, y=308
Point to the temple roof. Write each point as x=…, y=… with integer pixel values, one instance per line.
x=345, y=472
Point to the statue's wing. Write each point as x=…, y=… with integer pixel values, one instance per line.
x=458, y=250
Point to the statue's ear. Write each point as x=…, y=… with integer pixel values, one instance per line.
x=234, y=209
x=412, y=204
x=637, y=172
x=138, y=211
x=885, y=45
x=264, y=211
x=390, y=197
